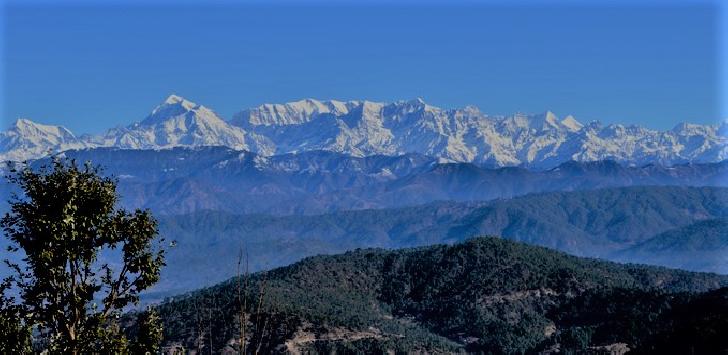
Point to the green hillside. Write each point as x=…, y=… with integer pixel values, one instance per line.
x=486, y=294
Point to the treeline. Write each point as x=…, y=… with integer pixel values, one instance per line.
x=485, y=295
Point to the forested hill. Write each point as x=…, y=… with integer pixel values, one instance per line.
x=485, y=294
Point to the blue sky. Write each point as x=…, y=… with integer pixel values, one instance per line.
x=89, y=66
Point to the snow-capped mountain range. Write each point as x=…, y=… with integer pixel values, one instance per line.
x=363, y=128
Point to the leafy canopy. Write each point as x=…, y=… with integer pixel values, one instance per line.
x=62, y=222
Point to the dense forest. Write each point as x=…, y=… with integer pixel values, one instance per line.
x=483, y=295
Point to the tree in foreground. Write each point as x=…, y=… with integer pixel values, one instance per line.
x=83, y=259
x=14, y=333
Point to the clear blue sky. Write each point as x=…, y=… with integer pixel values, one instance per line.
x=90, y=67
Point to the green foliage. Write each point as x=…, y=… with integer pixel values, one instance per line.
x=148, y=333
x=650, y=322
x=576, y=339
x=485, y=295
x=65, y=218
x=15, y=334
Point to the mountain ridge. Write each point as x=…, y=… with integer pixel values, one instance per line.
x=594, y=223
x=181, y=180
x=363, y=128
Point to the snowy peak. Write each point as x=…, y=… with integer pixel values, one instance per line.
x=307, y=110
x=179, y=100
x=27, y=139
x=417, y=103
x=292, y=113
x=28, y=128
x=571, y=123
x=175, y=106
x=364, y=128
x=176, y=122
x=685, y=128
x=547, y=121
x=182, y=114
x=550, y=121
x=551, y=118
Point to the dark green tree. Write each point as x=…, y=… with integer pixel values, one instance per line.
x=149, y=333
x=62, y=220
x=14, y=332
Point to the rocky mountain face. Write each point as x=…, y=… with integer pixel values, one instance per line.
x=364, y=128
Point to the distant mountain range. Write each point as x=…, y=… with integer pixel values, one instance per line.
x=701, y=245
x=664, y=226
x=673, y=226
x=183, y=180
x=364, y=128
